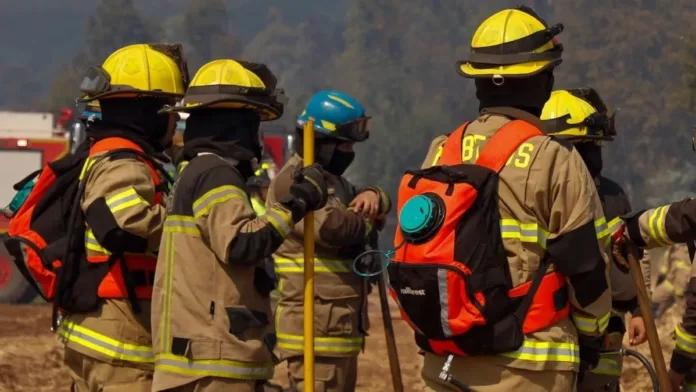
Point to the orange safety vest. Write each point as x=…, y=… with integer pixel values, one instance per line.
x=140, y=266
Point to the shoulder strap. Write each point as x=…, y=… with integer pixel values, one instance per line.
x=452, y=149
x=113, y=143
x=505, y=142
x=119, y=144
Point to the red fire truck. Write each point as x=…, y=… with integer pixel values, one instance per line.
x=28, y=141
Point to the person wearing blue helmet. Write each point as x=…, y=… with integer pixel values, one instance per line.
x=343, y=228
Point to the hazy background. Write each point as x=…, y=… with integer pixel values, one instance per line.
x=395, y=56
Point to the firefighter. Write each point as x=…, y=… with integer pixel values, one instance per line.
x=549, y=208
x=664, y=226
x=672, y=280
x=342, y=230
x=581, y=117
x=111, y=348
x=211, y=309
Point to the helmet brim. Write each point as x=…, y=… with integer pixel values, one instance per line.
x=265, y=112
x=128, y=93
x=524, y=70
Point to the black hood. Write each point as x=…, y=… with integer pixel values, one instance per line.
x=227, y=133
x=136, y=118
x=332, y=160
x=528, y=94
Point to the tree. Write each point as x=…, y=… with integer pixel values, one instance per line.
x=207, y=32
x=115, y=24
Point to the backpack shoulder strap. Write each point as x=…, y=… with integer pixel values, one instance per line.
x=505, y=142
x=113, y=143
x=452, y=149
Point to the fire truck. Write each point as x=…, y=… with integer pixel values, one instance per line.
x=28, y=141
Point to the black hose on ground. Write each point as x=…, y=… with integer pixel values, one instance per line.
x=624, y=352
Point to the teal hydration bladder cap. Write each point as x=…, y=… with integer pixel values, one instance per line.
x=416, y=214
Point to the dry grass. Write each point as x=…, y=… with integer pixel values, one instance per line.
x=30, y=356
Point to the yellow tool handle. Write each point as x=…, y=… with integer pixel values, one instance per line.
x=308, y=157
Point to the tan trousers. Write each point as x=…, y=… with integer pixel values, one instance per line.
x=330, y=374
x=91, y=375
x=218, y=384
x=484, y=377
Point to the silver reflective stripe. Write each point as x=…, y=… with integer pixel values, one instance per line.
x=219, y=369
x=444, y=301
x=547, y=351
x=321, y=344
x=615, y=225
x=217, y=195
x=108, y=349
x=278, y=221
x=283, y=265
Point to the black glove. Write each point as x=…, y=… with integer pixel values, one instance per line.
x=589, y=354
x=308, y=191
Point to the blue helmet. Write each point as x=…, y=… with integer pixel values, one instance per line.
x=336, y=115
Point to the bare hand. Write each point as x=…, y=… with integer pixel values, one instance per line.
x=636, y=331
x=676, y=379
x=366, y=203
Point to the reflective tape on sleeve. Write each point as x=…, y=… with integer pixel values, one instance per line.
x=685, y=341
x=280, y=220
x=590, y=325
x=125, y=199
x=205, y=203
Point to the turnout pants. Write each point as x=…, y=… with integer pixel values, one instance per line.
x=330, y=374
x=485, y=377
x=91, y=375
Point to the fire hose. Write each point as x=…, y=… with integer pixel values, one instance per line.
x=446, y=376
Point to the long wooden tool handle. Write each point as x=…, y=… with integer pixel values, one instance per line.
x=392, y=352
x=646, y=312
x=308, y=310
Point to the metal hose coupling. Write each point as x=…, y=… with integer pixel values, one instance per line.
x=447, y=377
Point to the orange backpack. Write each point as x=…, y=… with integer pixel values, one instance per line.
x=46, y=237
x=450, y=273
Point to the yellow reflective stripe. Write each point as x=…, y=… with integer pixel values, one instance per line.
x=614, y=225
x=682, y=265
x=667, y=285
x=258, y=206
x=438, y=154
x=664, y=269
x=320, y=265
x=165, y=340
x=656, y=224
x=689, y=387
x=92, y=244
x=280, y=220
x=214, y=367
x=589, y=325
x=607, y=367
x=125, y=199
x=525, y=232
x=88, y=165
x=321, y=344
x=368, y=228
x=105, y=345
x=685, y=341
x=536, y=351
x=601, y=228
x=181, y=224
x=221, y=194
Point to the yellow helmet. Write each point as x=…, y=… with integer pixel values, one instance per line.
x=155, y=70
x=578, y=115
x=512, y=43
x=231, y=84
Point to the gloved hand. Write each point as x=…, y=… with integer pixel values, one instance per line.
x=308, y=191
x=589, y=354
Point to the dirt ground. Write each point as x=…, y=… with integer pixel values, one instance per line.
x=30, y=356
